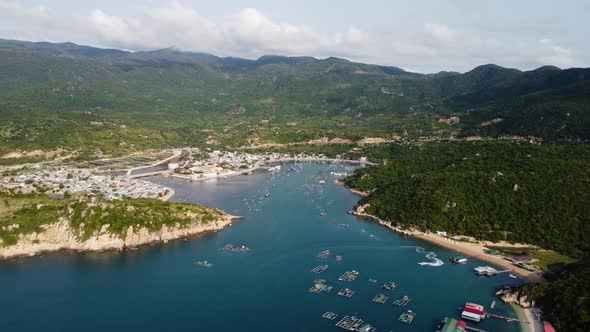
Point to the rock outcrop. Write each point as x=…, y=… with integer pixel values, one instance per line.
x=60, y=236
x=509, y=295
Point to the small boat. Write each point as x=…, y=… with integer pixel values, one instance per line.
x=493, y=305
x=267, y=196
x=512, y=276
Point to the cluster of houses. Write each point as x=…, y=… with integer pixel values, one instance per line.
x=225, y=163
x=58, y=182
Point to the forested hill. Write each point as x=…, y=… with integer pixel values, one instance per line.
x=493, y=190
x=112, y=101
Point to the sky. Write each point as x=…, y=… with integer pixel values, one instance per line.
x=418, y=35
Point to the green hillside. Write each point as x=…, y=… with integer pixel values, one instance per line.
x=102, y=101
x=494, y=191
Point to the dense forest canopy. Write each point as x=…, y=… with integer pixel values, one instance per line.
x=528, y=193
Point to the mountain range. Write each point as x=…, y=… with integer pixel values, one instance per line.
x=107, y=101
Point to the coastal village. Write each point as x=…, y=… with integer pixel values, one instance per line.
x=118, y=183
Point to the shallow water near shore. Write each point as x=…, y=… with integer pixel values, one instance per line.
x=159, y=288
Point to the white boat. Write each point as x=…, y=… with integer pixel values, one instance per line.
x=512, y=276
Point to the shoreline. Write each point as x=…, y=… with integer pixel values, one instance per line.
x=526, y=315
x=58, y=237
x=474, y=250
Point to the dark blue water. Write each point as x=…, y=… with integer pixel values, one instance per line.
x=159, y=288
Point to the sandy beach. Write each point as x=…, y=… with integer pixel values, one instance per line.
x=476, y=250
x=526, y=315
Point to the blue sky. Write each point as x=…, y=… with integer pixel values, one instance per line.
x=422, y=36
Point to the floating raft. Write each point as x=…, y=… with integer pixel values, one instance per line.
x=390, y=285
x=204, y=264
x=234, y=248
x=402, y=302
x=330, y=315
x=338, y=258
x=353, y=323
x=380, y=298
x=324, y=254
x=319, y=269
x=320, y=287
x=407, y=317
x=346, y=292
x=348, y=276
x=372, y=280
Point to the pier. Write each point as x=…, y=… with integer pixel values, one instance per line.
x=508, y=319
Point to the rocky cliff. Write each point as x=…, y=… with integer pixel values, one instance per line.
x=60, y=236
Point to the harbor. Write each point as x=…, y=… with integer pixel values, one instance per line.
x=285, y=234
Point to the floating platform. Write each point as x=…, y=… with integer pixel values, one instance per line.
x=403, y=301
x=407, y=317
x=319, y=269
x=372, y=280
x=330, y=315
x=348, y=276
x=234, y=248
x=355, y=324
x=346, y=292
x=390, y=285
x=319, y=285
x=324, y=254
x=380, y=298
x=338, y=258
x=204, y=264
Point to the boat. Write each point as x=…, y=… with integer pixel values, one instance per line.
x=485, y=270
x=512, y=276
x=493, y=305
x=458, y=259
x=267, y=196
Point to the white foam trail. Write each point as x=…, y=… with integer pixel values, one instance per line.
x=434, y=260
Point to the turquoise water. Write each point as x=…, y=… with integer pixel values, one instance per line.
x=159, y=288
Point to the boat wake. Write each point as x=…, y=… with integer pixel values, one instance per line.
x=434, y=260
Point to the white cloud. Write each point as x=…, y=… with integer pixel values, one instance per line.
x=425, y=45
x=440, y=34
x=557, y=55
